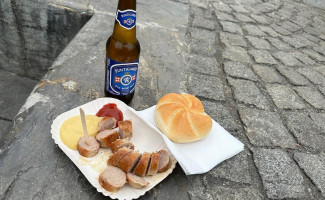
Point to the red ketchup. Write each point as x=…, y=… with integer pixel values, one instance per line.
x=111, y=110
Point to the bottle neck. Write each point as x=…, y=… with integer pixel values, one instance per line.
x=124, y=27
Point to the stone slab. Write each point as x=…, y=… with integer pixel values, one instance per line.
x=239, y=70
x=284, y=97
x=4, y=126
x=264, y=128
x=267, y=74
x=247, y=92
x=292, y=75
x=226, y=193
x=280, y=175
x=313, y=165
x=221, y=114
x=14, y=90
x=235, y=169
x=201, y=85
x=307, y=132
x=312, y=96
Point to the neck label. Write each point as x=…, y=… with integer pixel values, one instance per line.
x=126, y=18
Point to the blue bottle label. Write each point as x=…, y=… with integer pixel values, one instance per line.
x=121, y=77
x=126, y=18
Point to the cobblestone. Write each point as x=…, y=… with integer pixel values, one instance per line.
x=235, y=169
x=264, y=128
x=221, y=7
x=312, y=96
x=231, y=27
x=225, y=17
x=236, y=54
x=247, y=92
x=222, y=192
x=220, y=113
x=198, y=85
x=239, y=8
x=319, y=119
x=205, y=65
x=303, y=58
x=263, y=57
x=312, y=75
x=289, y=26
x=313, y=54
x=320, y=49
x=202, y=47
x=313, y=165
x=243, y=18
x=267, y=74
x=260, y=19
x=279, y=44
x=307, y=132
x=321, y=69
x=199, y=22
x=253, y=30
x=287, y=59
x=230, y=39
x=258, y=43
x=269, y=31
x=280, y=30
x=295, y=41
x=203, y=35
x=239, y=70
x=284, y=97
x=280, y=175
x=266, y=7
x=294, y=77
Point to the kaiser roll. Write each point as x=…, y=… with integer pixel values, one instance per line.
x=181, y=118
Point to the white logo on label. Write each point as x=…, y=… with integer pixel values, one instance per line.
x=126, y=80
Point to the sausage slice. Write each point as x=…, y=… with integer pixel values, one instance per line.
x=118, y=155
x=114, y=146
x=106, y=123
x=129, y=161
x=164, y=161
x=142, y=165
x=153, y=166
x=125, y=129
x=136, y=181
x=112, y=178
x=88, y=146
x=106, y=137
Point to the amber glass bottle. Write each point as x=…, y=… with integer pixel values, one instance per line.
x=122, y=54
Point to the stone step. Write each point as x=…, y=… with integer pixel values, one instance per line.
x=14, y=91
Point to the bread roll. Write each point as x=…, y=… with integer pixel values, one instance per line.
x=181, y=118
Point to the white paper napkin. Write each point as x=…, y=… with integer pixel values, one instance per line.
x=201, y=156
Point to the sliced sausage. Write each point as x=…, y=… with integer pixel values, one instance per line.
x=112, y=178
x=129, y=161
x=125, y=129
x=88, y=146
x=164, y=161
x=118, y=155
x=106, y=137
x=153, y=166
x=114, y=146
x=106, y=123
x=136, y=181
x=142, y=165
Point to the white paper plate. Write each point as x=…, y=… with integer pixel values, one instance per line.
x=144, y=139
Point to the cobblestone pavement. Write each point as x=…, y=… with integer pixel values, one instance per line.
x=268, y=87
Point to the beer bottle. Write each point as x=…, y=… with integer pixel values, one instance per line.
x=122, y=54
